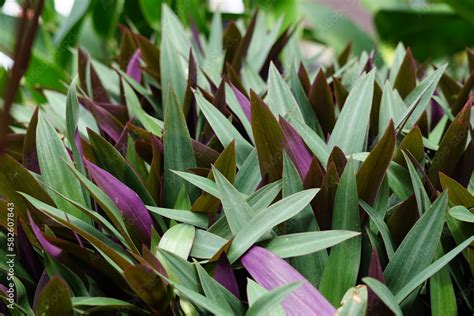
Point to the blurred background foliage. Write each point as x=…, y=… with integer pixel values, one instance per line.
x=434, y=30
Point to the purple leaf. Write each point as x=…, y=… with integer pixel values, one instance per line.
x=436, y=113
x=224, y=274
x=106, y=121
x=50, y=249
x=296, y=148
x=137, y=219
x=78, y=141
x=376, y=272
x=270, y=271
x=375, y=269
x=243, y=101
x=133, y=68
x=28, y=255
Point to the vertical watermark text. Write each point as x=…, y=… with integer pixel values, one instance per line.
x=10, y=256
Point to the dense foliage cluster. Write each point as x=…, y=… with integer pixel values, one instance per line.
x=224, y=173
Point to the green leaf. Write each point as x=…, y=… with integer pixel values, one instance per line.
x=300, y=244
x=111, y=251
x=392, y=107
x=179, y=270
x=383, y=292
x=257, y=201
x=184, y=216
x=15, y=178
x=430, y=270
x=264, y=196
x=101, y=304
x=55, y=299
x=416, y=251
x=236, y=209
x=266, y=219
x=135, y=110
x=399, y=181
x=174, y=48
x=342, y=267
x=122, y=236
x=381, y=226
x=210, y=305
x=248, y=177
x=78, y=12
x=178, y=240
x=218, y=293
x=354, y=302
x=317, y=146
x=72, y=118
x=226, y=164
x=255, y=291
x=52, y=156
x=178, y=151
x=266, y=303
x=312, y=264
x=300, y=96
x=422, y=198
x=225, y=131
x=279, y=98
x=461, y=213
x=207, y=245
x=419, y=98
x=352, y=126
x=442, y=296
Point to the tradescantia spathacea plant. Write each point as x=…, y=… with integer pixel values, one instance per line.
x=225, y=174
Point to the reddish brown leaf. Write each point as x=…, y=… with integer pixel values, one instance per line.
x=402, y=220
x=321, y=99
x=463, y=95
x=406, y=77
x=98, y=90
x=339, y=158
x=269, y=138
x=452, y=145
x=458, y=194
x=323, y=203
x=340, y=92
x=227, y=166
x=150, y=288
x=344, y=55
x=315, y=176
x=412, y=143
x=373, y=169
x=304, y=78
x=150, y=55
x=30, y=156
